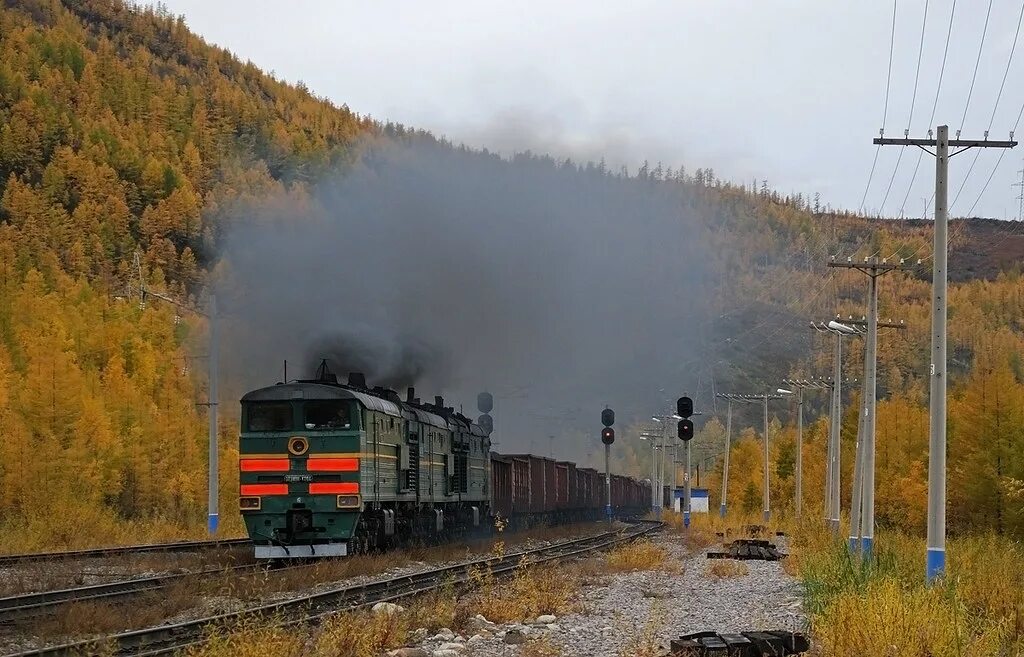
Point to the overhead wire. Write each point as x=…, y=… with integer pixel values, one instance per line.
x=913, y=102
x=885, y=108
x=977, y=63
x=991, y=120
x=935, y=103
x=1006, y=72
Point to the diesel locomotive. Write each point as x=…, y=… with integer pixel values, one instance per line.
x=329, y=469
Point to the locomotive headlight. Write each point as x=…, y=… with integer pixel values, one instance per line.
x=249, y=503
x=348, y=502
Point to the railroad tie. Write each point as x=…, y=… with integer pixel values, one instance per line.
x=778, y=643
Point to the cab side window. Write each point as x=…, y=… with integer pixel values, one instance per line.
x=326, y=415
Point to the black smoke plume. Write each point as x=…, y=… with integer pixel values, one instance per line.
x=559, y=288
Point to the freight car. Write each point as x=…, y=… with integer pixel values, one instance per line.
x=329, y=469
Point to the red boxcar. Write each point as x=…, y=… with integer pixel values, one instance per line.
x=501, y=485
x=565, y=484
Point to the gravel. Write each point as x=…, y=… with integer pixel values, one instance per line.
x=622, y=611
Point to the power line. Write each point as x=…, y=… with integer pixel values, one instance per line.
x=935, y=103
x=992, y=118
x=977, y=63
x=913, y=102
x=885, y=106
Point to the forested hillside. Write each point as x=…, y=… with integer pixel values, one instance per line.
x=123, y=134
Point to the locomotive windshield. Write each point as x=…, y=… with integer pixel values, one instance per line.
x=269, y=416
x=330, y=414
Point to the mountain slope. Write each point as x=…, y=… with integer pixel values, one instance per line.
x=121, y=132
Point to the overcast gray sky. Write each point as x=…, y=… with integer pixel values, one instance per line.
x=790, y=91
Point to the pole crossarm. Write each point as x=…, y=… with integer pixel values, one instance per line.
x=955, y=143
x=873, y=266
x=864, y=322
x=761, y=397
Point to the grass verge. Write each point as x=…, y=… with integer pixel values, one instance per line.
x=884, y=607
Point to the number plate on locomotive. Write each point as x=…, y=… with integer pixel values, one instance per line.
x=298, y=477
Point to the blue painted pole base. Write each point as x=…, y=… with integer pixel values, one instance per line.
x=721, y=511
x=935, y=564
x=866, y=544
x=686, y=518
x=854, y=544
x=212, y=521
x=608, y=511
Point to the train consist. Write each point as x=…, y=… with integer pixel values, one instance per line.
x=330, y=469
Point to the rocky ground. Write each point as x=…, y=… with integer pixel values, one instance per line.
x=635, y=614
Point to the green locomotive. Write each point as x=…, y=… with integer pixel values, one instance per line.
x=330, y=469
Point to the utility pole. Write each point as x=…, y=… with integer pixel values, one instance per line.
x=935, y=558
x=661, y=474
x=800, y=384
x=864, y=463
x=212, y=515
x=765, y=497
x=652, y=437
x=832, y=470
x=861, y=503
x=730, y=398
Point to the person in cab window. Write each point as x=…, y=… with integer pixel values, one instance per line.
x=340, y=419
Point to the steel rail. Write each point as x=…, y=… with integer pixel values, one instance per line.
x=180, y=546
x=33, y=605
x=312, y=608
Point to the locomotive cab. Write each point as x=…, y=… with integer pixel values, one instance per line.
x=299, y=469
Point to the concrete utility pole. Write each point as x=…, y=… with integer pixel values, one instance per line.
x=212, y=515
x=765, y=496
x=725, y=464
x=935, y=558
x=730, y=398
x=832, y=471
x=862, y=502
x=864, y=463
x=653, y=438
x=663, y=421
x=800, y=384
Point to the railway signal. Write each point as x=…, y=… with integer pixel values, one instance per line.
x=684, y=407
x=485, y=403
x=685, y=430
x=608, y=437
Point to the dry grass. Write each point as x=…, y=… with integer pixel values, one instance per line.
x=232, y=588
x=67, y=573
x=885, y=608
x=528, y=593
x=725, y=568
x=81, y=528
x=640, y=555
x=706, y=529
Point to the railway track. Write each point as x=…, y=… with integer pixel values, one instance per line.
x=312, y=608
x=181, y=546
x=19, y=608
